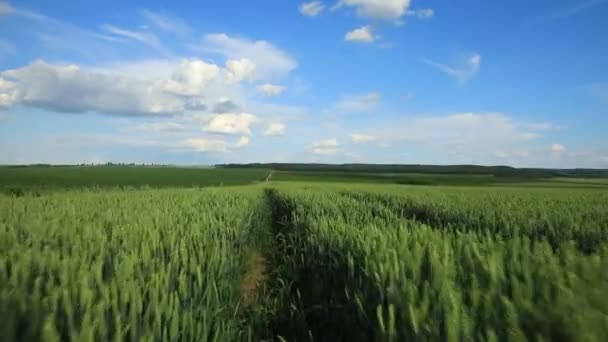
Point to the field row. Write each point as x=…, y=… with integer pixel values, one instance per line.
x=144, y=265
x=305, y=262
x=358, y=266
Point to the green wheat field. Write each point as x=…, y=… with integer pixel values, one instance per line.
x=192, y=254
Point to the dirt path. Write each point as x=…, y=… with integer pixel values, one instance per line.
x=254, y=278
x=269, y=178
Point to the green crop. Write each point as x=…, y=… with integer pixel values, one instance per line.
x=335, y=262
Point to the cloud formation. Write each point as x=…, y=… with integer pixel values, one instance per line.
x=231, y=124
x=239, y=70
x=270, y=61
x=72, y=89
x=361, y=35
x=326, y=147
x=276, y=129
x=464, y=73
x=311, y=9
x=211, y=145
x=376, y=9
x=359, y=139
x=138, y=36
x=270, y=89
x=423, y=13
x=356, y=104
x=166, y=23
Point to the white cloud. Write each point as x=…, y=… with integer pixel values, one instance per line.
x=142, y=37
x=464, y=73
x=242, y=142
x=270, y=61
x=541, y=126
x=326, y=147
x=166, y=23
x=239, y=70
x=231, y=124
x=467, y=130
x=356, y=104
x=161, y=127
x=377, y=9
x=311, y=9
x=204, y=145
x=70, y=88
x=225, y=105
x=192, y=77
x=558, y=148
x=512, y=154
x=361, y=35
x=158, y=87
x=8, y=93
x=423, y=13
x=270, y=89
x=275, y=130
x=6, y=8
x=362, y=138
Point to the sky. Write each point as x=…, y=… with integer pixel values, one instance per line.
x=521, y=83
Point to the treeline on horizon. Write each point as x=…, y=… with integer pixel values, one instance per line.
x=498, y=171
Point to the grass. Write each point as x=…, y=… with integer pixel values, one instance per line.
x=300, y=260
x=41, y=178
x=436, y=179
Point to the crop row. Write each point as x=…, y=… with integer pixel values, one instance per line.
x=144, y=265
x=358, y=270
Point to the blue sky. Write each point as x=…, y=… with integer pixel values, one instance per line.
x=522, y=83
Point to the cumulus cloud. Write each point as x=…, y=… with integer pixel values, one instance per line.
x=326, y=147
x=8, y=93
x=423, y=13
x=463, y=73
x=270, y=89
x=231, y=124
x=356, y=104
x=311, y=9
x=358, y=139
x=275, y=130
x=242, y=142
x=361, y=35
x=239, y=70
x=376, y=9
x=140, y=88
x=225, y=105
x=70, y=88
x=192, y=77
x=270, y=61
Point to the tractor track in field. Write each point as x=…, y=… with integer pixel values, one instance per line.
x=254, y=278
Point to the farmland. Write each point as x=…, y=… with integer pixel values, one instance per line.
x=45, y=178
x=308, y=259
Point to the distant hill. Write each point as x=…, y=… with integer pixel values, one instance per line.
x=498, y=171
